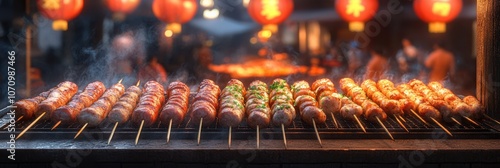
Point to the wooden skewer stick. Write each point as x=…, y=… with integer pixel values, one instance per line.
x=456, y=121
x=284, y=135
x=359, y=123
x=8, y=107
x=471, y=121
x=401, y=118
x=139, y=133
x=258, y=137
x=120, y=81
x=317, y=133
x=31, y=125
x=385, y=128
x=55, y=125
x=492, y=119
x=169, y=130
x=420, y=118
x=229, y=138
x=19, y=119
x=199, y=131
x=4, y=127
x=112, y=133
x=442, y=127
x=334, y=121
x=79, y=132
x=138, y=83
x=400, y=123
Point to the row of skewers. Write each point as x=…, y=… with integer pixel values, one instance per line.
x=263, y=106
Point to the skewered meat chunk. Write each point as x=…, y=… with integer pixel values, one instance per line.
x=232, y=110
x=371, y=109
x=150, y=103
x=305, y=102
x=97, y=112
x=69, y=113
x=257, y=105
x=281, y=103
x=205, y=103
x=28, y=107
x=177, y=104
x=122, y=110
x=58, y=97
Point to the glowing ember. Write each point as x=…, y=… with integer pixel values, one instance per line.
x=259, y=68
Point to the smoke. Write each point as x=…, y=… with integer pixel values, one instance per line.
x=110, y=62
x=182, y=75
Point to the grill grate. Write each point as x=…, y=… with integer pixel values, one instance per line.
x=297, y=130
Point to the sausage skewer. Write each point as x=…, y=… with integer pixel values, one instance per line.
x=325, y=90
x=205, y=104
x=424, y=108
x=372, y=111
x=257, y=107
x=350, y=110
x=123, y=109
x=96, y=113
x=389, y=105
x=232, y=111
x=27, y=107
x=447, y=111
x=149, y=106
x=390, y=91
x=56, y=98
x=450, y=110
x=305, y=102
x=465, y=109
x=69, y=113
x=281, y=105
x=176, y=107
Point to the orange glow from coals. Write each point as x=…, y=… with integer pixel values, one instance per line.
x=259, y=68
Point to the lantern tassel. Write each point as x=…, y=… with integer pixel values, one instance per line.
x=271, y=27
x=60, y=25
x=356, y=26
x=437, y=27
x=176, y=28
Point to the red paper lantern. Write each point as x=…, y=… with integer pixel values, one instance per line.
x=356, y=12
x=60, y=11
x=437, y=12
x=122, y=7
x=270, y=12
x=174, y=13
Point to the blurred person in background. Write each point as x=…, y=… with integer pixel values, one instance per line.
x=203, y=61
x=333, y=61
x=124, y=53
x=441, y=63
x=409, y=60
x=377, y=65
x=354, y=58
x=152, y=70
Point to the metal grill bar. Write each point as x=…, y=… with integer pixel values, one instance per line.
x=413, y=125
